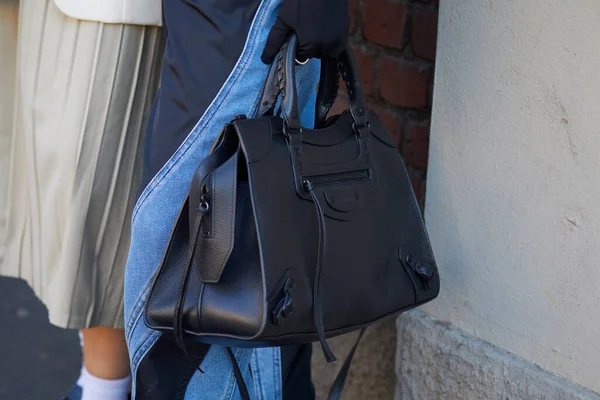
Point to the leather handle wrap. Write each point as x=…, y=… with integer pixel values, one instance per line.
x=281, y=80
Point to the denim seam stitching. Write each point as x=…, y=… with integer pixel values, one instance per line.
x=232, y=386
x=135, y=311
x=144, y=348
x=258, y=379
x=277, y=363
x=141, y=347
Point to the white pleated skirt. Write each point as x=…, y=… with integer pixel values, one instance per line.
x=82, y=94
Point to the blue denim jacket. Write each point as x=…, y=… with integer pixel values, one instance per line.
x=159, y=203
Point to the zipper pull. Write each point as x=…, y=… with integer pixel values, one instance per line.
x=425, y=271
x=285, y=307
x=308, y=186
x=204, y=205
x=422, y=269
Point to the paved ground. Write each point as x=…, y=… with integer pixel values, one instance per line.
x=37, y=361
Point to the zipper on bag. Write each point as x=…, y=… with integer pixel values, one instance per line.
x=204, y=207
x=341, y=177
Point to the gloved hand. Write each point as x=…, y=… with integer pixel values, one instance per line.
x=320, y=25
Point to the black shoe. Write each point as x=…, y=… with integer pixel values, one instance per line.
x=74, y=393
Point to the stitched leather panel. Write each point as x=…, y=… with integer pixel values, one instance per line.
x=289, y=101
x=271, y=90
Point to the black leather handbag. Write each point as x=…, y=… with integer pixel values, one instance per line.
x=292, y=235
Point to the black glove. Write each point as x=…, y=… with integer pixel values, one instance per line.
x=320, y=25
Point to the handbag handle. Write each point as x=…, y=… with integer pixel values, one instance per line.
x=282, y=80
x=347, y=66
x=329, y=85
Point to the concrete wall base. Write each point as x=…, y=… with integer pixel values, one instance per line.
x=372, y=374
x=438, y=361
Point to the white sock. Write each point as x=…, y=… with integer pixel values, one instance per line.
x=95, y=388
x=80, y=380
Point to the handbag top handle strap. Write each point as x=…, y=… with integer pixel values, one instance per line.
x=358, y=105
x=282, y=80
x=326, y=95
x=329, y=84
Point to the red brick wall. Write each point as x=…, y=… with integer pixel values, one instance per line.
x=394, y=43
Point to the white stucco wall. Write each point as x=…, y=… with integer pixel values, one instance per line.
x=513, y=190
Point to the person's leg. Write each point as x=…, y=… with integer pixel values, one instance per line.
x=105, y=353
x=105, y=372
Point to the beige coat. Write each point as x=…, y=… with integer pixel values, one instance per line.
x=136, y=12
